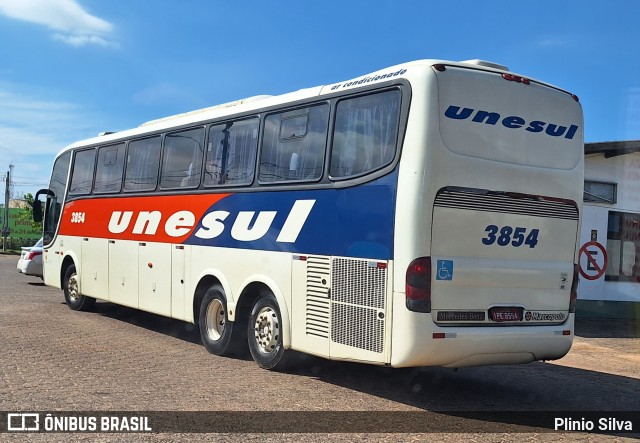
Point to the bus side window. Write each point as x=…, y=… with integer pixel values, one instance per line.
x=231, y=153
x=82, y=176
x=182, y=159
x=294, y=145
x=109, y=169
x=365, y=134
x=143, y=159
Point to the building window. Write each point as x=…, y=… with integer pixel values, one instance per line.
x=600, y=192
x=623, y=247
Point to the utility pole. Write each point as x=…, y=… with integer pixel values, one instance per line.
x=11, y=193
x=7, y=197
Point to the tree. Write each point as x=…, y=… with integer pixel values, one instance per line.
x=27, y=212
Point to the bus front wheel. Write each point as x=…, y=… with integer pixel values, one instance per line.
x=75, y=300
x=219, y=335
x=265, y=333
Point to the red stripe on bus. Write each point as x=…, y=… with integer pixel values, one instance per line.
x=128, y=218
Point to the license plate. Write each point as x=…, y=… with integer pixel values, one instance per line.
x=505, y=314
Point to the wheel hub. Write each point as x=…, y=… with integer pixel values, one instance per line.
x=215, y=320
x=267, y=330
x=72, y=288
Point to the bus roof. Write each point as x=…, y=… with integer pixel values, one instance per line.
x=409, y=71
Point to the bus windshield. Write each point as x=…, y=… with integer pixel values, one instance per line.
x=55, y=197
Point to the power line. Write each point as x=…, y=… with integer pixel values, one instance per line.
x=20, y=184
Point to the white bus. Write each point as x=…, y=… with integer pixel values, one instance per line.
x=424, y=214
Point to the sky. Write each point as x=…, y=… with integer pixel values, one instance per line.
x=70, y=69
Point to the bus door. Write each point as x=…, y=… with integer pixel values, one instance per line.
x=95, y=267
x=154, y=277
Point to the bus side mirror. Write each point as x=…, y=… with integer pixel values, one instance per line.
x=37, y=204
x=37, y=211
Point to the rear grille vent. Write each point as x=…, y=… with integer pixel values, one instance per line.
x=318, y=303
x=358, y=301
x=500, y=202
x=357, y=326
x=358, y=282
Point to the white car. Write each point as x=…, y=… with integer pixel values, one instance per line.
x=30, y=262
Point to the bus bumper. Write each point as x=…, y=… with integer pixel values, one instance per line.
x=414, y=343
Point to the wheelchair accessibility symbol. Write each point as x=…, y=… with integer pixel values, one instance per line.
x=445, y=270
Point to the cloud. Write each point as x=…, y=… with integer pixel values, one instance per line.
x=71, y=23
x=162, y=94
x=33, y=130
x=551, y=42
x=560, y=41
x=31, y=125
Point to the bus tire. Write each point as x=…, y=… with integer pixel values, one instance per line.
x=75, y=300
x=265, y=333
x=219, y=335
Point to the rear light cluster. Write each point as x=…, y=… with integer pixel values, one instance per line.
x=516, y=78
x=573, y=298
x=418, y=287
x=33, y=254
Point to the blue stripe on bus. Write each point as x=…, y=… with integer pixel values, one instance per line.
x=352, y=222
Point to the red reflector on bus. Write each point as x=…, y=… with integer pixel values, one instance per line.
x=566, y=332
x=382, y=266
x=439, y=335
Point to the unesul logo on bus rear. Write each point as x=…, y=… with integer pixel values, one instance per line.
x=510, y=122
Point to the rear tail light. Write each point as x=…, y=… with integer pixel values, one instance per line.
x=516, y=78
x=573, y=298
x=418, y=287
x=33, y=254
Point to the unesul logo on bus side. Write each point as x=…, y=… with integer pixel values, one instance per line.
x=244, y=228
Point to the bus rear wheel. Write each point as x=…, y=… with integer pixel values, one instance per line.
x=265, y=333
x=75, y=300
x=219, y=335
